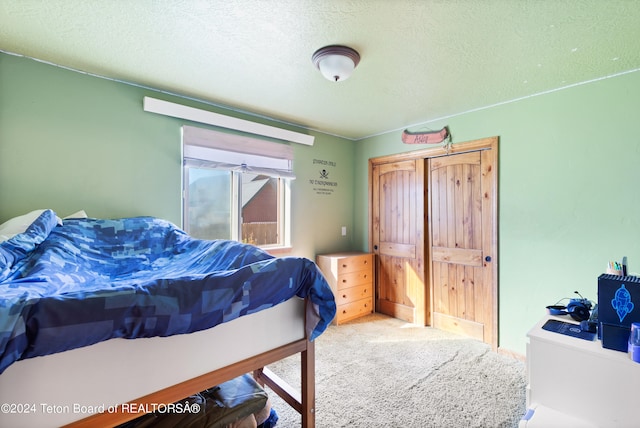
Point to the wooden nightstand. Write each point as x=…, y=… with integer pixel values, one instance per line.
x=350, y=276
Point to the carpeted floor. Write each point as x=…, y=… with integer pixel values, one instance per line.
x=378, y=371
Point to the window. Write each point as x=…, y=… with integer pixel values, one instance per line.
x=236, y=187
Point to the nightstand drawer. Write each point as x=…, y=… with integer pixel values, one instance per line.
x=352, y=294
x=352, y=310
x=351, y=279
x=355, y=263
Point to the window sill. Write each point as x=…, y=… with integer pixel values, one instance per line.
x=278, y=251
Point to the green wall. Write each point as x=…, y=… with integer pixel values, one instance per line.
x=71, y=141
x=569, y=169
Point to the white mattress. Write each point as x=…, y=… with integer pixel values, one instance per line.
x=58, y=389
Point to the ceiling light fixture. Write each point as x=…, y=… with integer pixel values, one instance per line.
x=336, y=62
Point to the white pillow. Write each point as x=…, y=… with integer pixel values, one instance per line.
x=77, y=214
x=20, y=224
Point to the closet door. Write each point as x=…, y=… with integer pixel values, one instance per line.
x=398, y=239
x=461, y=207
x=433, y=228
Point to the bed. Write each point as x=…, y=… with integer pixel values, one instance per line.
x=75, y=292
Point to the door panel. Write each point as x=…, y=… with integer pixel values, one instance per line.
x=397, y=235
x=461, y=278
x=461, y=256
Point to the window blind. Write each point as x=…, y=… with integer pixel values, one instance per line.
x=205, y=148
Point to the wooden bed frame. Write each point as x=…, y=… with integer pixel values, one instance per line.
x=302, y=401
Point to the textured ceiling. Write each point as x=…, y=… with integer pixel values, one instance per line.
x=421, y=60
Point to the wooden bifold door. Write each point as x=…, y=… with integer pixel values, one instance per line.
x=398, y=239
x=434, y=233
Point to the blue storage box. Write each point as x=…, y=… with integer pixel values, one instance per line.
x=618, y=307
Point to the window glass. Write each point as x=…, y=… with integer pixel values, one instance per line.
x=209, y=203
x=236, y=187
x=260, y=209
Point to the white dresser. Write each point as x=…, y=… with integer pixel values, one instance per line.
x=576, y=383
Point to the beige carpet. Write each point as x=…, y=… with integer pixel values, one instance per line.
x=382, y=372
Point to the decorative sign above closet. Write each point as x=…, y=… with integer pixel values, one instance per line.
x=427, y=137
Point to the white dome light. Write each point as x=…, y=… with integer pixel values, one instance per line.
x=335, y=62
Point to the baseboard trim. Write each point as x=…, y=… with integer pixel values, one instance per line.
x=512, y=354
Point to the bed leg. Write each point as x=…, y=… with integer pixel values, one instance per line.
x=308, y=367
x=257, y=376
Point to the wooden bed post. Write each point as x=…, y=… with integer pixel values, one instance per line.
x=302, y=400
x=308, y=367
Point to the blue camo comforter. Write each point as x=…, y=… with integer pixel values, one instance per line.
x=89, y=280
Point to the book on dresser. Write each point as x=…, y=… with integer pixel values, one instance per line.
x=350, y=275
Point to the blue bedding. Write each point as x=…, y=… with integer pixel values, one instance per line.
x=89, y=280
